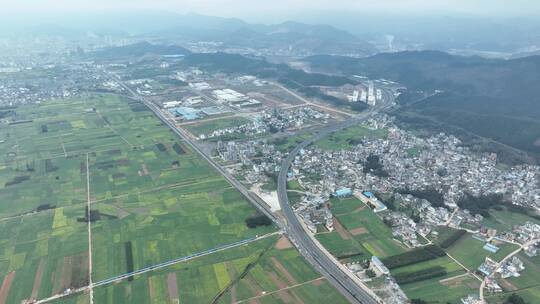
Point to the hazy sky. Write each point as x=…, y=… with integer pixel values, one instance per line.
x=253, y=10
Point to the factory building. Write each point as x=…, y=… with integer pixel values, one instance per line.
x=343, y=192
x=186, y=113
x=171, y=104
x=228, y=95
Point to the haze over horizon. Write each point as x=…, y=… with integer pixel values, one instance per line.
x=276, y=11
x=270, y=151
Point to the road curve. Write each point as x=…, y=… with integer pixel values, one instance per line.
x=251, y=197
x=333, y=271
x=355, y=291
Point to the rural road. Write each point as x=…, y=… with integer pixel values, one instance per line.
x=506, y=258
x=344, y=280
x=252, y=198
x=346, y=283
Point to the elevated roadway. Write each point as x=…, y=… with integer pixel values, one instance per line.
x=169, y=121
x=344, y=280
x=347, y=283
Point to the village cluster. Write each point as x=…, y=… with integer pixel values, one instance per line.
x=411, y=163
x=29, y=84
x=274, y=120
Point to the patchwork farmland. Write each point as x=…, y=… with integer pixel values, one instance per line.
x=359, y=233
x=259, y=273
x=151, y=200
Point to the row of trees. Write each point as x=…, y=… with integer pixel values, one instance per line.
x=414, y=256
x=481, y=204
x=514, y=299
x=451, y=239
x=258, y=220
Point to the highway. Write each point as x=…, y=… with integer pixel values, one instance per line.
x=169, y=121
x=341, y=278
x=346, y=283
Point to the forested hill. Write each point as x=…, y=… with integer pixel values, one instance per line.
x=494, y=98
x=293, y=37
x=437, y=70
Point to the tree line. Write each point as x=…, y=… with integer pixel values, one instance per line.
x=418, y=255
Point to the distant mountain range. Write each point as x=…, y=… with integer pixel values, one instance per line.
x=430, y=70
x=290, y=36
x=350, y=32
x=494, y=98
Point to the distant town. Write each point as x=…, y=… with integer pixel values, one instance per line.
x=151, y=158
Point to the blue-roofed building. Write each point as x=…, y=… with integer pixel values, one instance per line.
x=491, y=248
x=368, y=194
x=186, y=113
x=343, y=192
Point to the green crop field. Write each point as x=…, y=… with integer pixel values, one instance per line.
x=152, y=199
x=349, y=137
x=294, y=197
x=451, y=267
x=359, y=233
x=294, y=185
x=529, y=295
x=339, y=247
x=451, y=290
x=443, y=233
x=451, y=287
x=206, y=127
x=470, y=253
x=80, y=298
x=169, y=223
x=527, y=285
x=259, y=271
x=504, y=220
x=377, y=238
x=345, y=205
x=44, y=253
